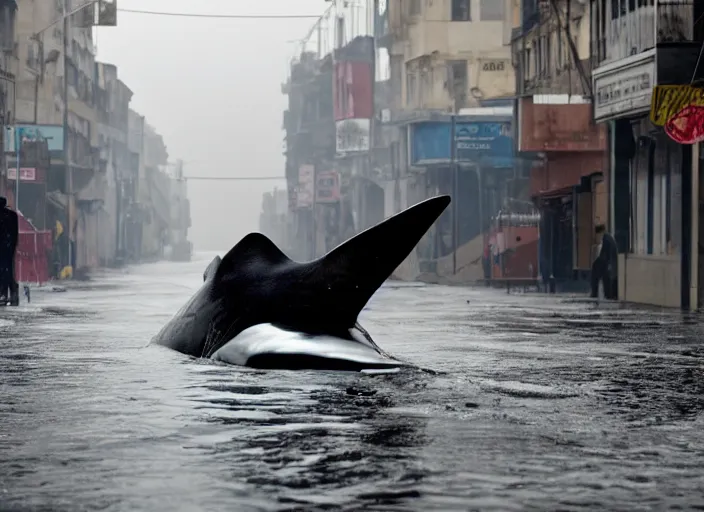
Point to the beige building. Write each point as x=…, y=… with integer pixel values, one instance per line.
x=40, y=63
x=450, y=53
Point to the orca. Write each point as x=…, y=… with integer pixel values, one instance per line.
x=258, y=308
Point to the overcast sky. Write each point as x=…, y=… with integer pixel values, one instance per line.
x=212, y=88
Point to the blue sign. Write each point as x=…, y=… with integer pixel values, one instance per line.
x=484, y=143
x=54, y=135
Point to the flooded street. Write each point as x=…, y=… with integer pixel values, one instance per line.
x=538, y=403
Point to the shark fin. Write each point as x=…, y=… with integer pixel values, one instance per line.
x=353, y=271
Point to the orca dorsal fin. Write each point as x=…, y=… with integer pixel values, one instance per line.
x=212, y=268
x=353, y=271
x=252, y=255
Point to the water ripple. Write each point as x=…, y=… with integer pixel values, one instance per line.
x=535, y=403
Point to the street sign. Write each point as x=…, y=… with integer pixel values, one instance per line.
x=26, y=174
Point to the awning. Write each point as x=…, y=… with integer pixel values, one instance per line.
x=57, y=199
x=554, y=193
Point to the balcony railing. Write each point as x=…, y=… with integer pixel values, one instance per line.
x=630, y=27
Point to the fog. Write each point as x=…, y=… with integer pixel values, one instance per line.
x=212, y=88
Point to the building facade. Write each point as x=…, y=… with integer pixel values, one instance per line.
x=454, y=81
x=76, y=151
x=637, y=48
x=558, y=143
x=154, y=194
x=310, y=149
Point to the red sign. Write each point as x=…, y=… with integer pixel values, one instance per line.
x=327, y=188
x=352, y=90
x=558, y=127
x=687, y=126
x=26, y=174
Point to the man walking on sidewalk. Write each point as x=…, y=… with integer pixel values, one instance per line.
x=9, y=233
x=605, y=266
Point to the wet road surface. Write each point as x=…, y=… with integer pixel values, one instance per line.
x=538, y=404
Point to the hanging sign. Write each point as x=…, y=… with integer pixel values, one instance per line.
x=680, y=110
x=26, y=174
x=327, y=188
x=687, y=127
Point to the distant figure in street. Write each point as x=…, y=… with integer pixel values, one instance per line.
x=486, y=261
x=605, y=266
x=9, y=233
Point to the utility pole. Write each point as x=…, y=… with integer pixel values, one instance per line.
x=67, y=156
x=454, y=168
x=18, y=150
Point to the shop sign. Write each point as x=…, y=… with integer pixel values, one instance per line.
x=352, y=135
x=624, y=91
x=480, y=142
x=680, y=110
x=26, y=174
x=558, y=127
x=54, y=135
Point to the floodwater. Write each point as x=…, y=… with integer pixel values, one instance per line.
x=538, y=403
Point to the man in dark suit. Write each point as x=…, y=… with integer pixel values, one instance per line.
x=604, y=266
x=9, y=233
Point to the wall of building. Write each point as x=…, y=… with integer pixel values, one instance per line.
x=648, y=279
x=453, y=64
x=37, y=93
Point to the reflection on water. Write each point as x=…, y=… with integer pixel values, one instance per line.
x=538, y=404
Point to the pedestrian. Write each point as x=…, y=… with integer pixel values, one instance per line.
x=604, y=267
x=486, y=261
x=9, y=233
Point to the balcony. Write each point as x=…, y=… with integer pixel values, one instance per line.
x=624, y=28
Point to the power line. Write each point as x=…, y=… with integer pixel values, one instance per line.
x=233, y=178
x=224, y=16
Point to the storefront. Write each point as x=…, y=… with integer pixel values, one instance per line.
x=471, y=158
x=570, y=158
x=650, y=216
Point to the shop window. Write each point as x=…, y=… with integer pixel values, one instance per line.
x=411, y=86
x=656, y=197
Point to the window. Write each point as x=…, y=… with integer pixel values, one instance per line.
x=411, y=86
x=461, y=10
x=526, y=65
x=396, y=77
x=535, y=72
x=423, y=87
x=491, y=10
x=33, y=55
x=7, y=26
x=618, y=8
x=458, y=81
x=559, y=58
x=549, y=63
